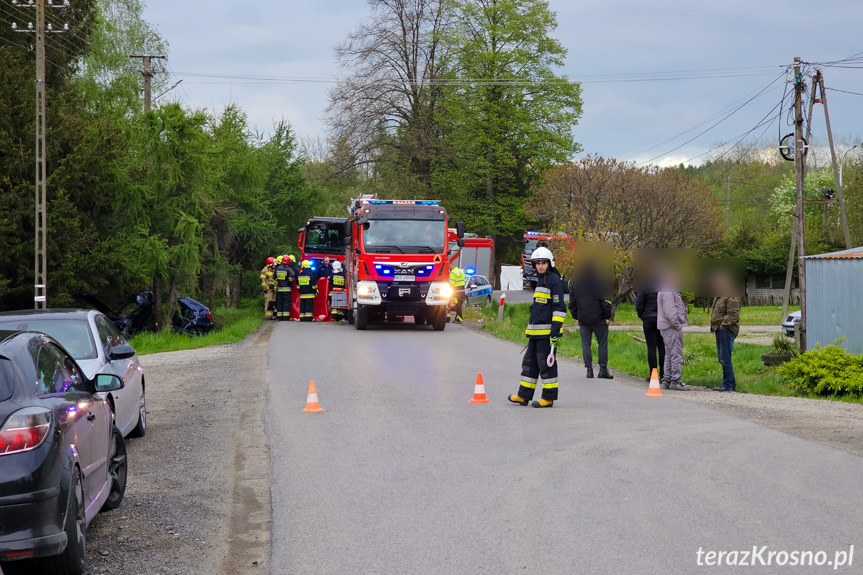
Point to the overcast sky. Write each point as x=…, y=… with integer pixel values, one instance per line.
x=732, y=48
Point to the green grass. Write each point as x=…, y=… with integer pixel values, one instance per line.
x=233, y=325
x=629, y=356
x=749, y=315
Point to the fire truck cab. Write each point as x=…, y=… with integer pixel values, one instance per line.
x=398, y=261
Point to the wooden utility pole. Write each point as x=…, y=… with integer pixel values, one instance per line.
x=800, y=172
x=819, y=79
x=147, y=72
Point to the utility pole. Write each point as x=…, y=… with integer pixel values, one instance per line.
x=147, y=72
x=40, y=264
x=800, y=172
x=819, y=78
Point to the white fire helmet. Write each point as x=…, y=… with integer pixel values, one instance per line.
x=337, y=267
x=542, y=254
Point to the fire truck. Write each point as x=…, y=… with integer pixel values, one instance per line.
x=533, y=240
x=325, y=238
x=476, y=256
x=398, y=261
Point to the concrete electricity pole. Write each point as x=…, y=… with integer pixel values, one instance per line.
x=800, y=172
x=147, y=72
x=40, y=264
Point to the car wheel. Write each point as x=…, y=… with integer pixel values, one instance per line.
x=488, y=301
x=72, y=560
x=141, y=429
x=117, y=469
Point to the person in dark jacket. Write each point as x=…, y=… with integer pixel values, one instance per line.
x=283, y=274
x=547, y=314
x=592, y=311
x=645, y=307
x=326, y=269
x=308, y=289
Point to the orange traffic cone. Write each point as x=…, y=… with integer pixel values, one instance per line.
x=479, y=391
x=312, y=400
x=653, y=390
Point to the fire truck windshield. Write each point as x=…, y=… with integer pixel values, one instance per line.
x=405, y=236
x=529, y=246
x=322, y=239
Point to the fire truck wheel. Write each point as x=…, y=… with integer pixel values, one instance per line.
x=362, y=319
x=419, y=319
x=439, y=320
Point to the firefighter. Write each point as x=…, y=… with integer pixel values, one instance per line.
x=456, y=281
x=268, y=284
x=547, y=314
x=308, y=290
x=284, y=273
x=337, y=284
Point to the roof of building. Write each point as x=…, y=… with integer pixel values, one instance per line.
x=852, y=254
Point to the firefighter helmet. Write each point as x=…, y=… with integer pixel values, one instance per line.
x=292, y=258
x=542, y=254
x=307, y=264
x=271, y=261
x=337, y=267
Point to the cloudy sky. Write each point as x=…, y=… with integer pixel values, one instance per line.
x=629, y=54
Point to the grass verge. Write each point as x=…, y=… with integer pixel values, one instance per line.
x=629, y=356
x=749, y=315
x=236, y=324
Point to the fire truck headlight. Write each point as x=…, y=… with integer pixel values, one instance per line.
x=368, y=294
x=446, y=291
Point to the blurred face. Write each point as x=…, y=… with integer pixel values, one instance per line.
x=542, y=266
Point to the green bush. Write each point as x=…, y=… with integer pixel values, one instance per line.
x=826, y=370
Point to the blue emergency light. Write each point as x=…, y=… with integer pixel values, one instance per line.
x=470, y=271
x=403, y=202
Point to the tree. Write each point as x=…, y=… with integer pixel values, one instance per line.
x=507, y=116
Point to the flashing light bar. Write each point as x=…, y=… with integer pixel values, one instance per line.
x=470, y=271
x=403, y=202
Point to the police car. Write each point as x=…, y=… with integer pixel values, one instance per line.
x=477, y=290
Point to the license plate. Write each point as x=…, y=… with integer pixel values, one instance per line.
x=403, y=278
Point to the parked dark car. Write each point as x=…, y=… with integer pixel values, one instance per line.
x=191, y=317
x=62, y=459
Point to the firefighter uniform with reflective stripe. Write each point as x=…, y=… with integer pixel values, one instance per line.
x=547, y=314
x=456, y=281
x=284, y=273
x=268, y=284
x=306, y=283
x=337, y=284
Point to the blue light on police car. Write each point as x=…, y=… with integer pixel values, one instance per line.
x=470, y=270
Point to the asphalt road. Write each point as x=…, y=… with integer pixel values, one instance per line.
x=401, y=475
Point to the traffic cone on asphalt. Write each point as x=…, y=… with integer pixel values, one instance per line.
x=312, y=400
x=653, y=390
x=479, y=391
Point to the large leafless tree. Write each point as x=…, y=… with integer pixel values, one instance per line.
x=384, y=107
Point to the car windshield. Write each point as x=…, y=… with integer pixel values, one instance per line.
x=325, y=239
x=405, y=236
x=72, y=334
x=7, y=379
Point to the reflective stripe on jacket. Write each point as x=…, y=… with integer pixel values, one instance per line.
x=548, y=311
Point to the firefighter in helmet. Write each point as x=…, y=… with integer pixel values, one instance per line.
x=337, y=284
x=284, y=273
x=457, y=280
x=268, y=284
x=308, y=290
x=547, y=314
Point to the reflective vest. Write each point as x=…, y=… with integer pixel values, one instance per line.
x=337, y=281
x=457, y=279
x=283, y=275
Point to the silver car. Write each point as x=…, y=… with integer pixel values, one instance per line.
x=788, y=324
x=478, y=290
x=98, y=348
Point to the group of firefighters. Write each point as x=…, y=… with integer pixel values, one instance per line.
x=282, y=275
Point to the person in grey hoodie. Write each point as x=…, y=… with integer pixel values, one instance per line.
x=670, y=318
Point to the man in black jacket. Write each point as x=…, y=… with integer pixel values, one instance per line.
x=592, y=311
x=547, y=314
x=645, y=307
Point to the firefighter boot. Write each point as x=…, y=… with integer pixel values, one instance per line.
x=543, y=403
x=518, y=399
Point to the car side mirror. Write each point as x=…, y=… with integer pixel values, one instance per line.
x=123, y=351
x=108, y=382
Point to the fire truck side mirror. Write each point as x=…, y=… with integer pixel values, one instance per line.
x=459, y=231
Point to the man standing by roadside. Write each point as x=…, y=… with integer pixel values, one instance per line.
x=670, y=319
x=725, y=325
x=268, y=284
x=645, y=307
x=592, y=311
x=457, y=281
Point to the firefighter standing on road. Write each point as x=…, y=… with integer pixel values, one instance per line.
x=308, y=290
x=456, y=281
x=268, y=284
x=547, y=314
x=337, y=284
x=284, y=273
